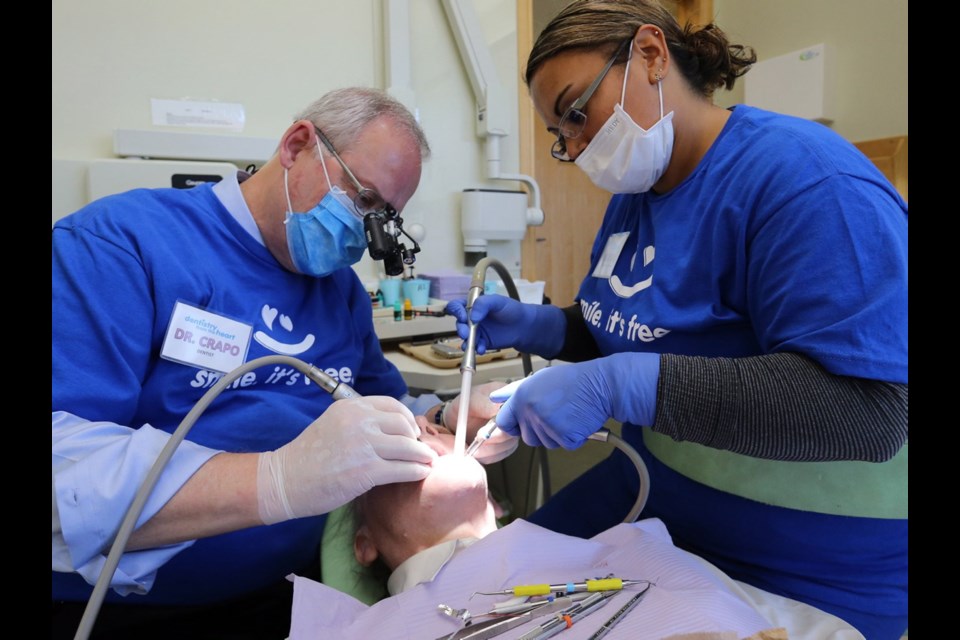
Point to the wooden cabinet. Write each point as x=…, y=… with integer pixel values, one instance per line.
x=890, y=156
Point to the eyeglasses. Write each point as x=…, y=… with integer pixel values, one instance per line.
x=574, y=119
x=367, y=200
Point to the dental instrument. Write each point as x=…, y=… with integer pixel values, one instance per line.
x=512, y=607
x=460, y=614
x=603, y=584
x=566, y=618
x=483, y=434
x=624, y=610
x=503, y=621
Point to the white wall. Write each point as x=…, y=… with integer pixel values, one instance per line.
x=868, y=45
x=110, y=57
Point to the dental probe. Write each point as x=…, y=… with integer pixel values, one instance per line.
x=604, y=584
x=497, y=625
x=624, y=610
x=483, y=434
x=491, y=426
x=566, y=618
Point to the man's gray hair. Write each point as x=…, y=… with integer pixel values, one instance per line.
x=342, y=112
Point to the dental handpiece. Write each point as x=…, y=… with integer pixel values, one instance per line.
x=483, y=434
x=339, y=390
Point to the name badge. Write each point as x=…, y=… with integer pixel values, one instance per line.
x=611, y=251
x=205, y=339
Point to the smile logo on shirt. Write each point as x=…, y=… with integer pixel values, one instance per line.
x=269, y=314
x=628, y=291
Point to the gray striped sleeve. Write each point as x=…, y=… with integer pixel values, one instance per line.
x=781, y=406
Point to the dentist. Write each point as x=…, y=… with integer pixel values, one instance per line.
x=155, y=294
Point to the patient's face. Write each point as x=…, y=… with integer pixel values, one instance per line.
x=404, y=518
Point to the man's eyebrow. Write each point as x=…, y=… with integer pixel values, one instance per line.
x=556, y=104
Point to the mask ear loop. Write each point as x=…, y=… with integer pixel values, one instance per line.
x=660, y=92
x=324, y=164
x=286, y=192
x=626, y=73
x=286, y=185
x=660, y=79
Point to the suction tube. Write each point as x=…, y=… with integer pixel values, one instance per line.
x=476, y=289
x=605, y=435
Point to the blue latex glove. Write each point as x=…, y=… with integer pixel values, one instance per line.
x=503, y=322
x=561, y=406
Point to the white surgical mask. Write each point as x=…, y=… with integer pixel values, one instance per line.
x=625, y=158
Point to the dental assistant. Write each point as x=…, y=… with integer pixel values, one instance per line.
x=744, y=317
x=154, y=294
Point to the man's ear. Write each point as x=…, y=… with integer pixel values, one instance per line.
x=298, y=136
x=364, y=548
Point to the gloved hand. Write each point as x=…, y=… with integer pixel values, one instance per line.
x=561, y=406
x=356, y=444
x=504, y=322
x=481, y=409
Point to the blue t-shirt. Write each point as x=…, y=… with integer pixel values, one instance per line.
x=120, y=266
x=784, y=238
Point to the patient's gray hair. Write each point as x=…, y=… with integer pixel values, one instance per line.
x=341, y=113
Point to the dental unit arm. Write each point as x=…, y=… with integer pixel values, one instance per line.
x=469, y=366
x=339, y=391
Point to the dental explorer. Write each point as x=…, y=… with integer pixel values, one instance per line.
x=618, y=616
x=603, y=584
x=485, y=432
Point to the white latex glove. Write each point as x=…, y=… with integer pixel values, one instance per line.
x=355, y=445
x=481, y=409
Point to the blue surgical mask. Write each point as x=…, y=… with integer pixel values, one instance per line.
x=328, y=237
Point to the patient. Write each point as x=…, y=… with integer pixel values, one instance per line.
x=410, y=531
x=413, y=528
